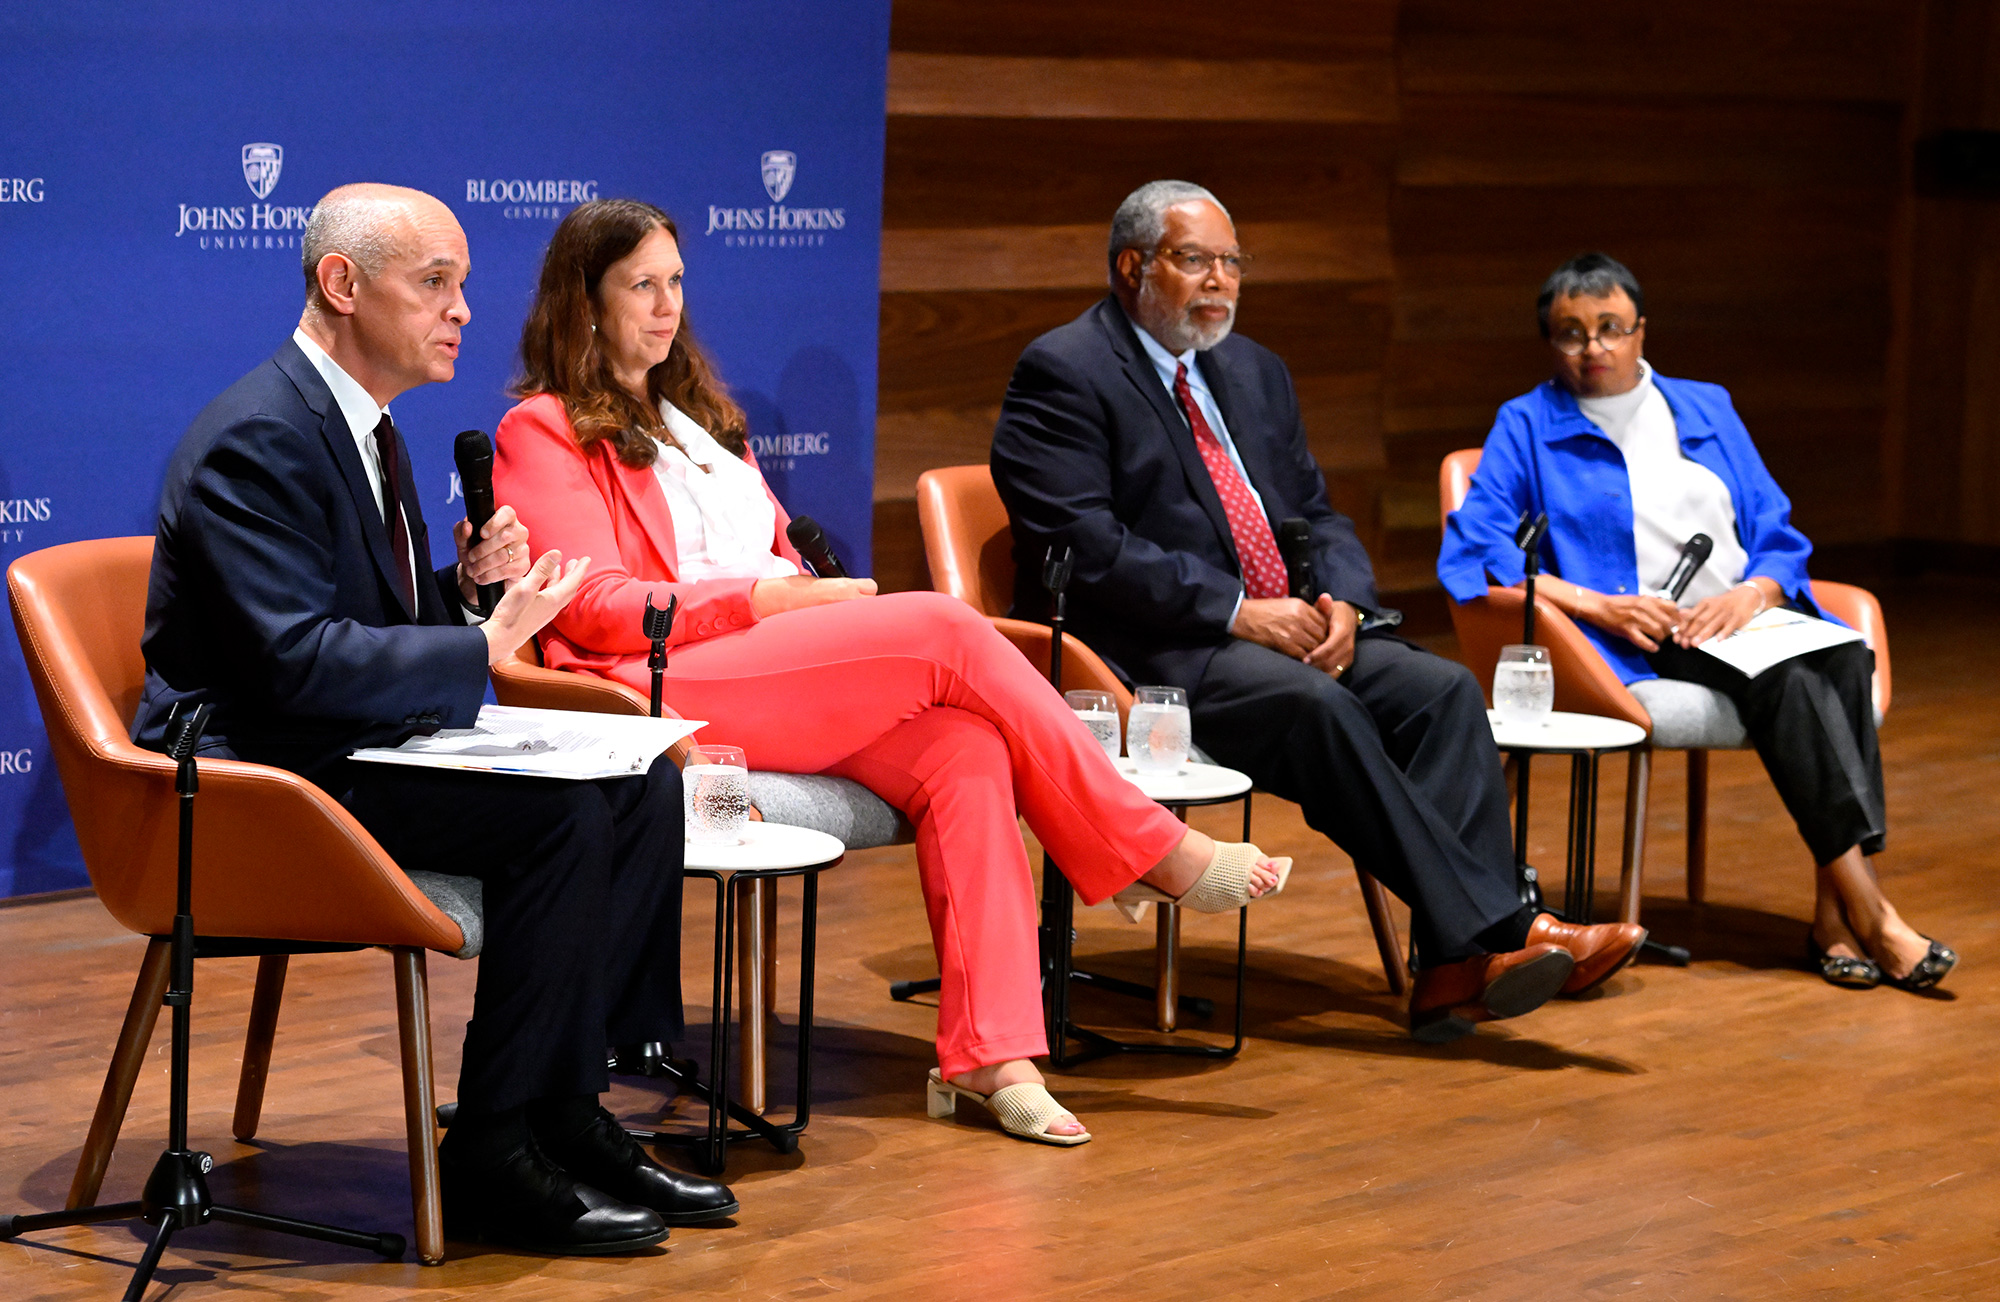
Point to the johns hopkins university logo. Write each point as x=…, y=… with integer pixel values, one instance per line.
x=774, y=225
x=261, y=166
x=259, y=225
x=780, y=166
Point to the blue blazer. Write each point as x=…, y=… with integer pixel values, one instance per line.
x=1544, y=455
x=270, y=595
x=1091, y=451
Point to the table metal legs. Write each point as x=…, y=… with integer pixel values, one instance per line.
x=1059, y=972
x=711, y=1145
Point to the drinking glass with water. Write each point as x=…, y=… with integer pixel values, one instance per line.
x=1524, y=686
x=1100, y=714
x=1159, y=732
x=716, y=786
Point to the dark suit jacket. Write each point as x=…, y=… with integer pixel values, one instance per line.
x=1092, y=451
x=270, y=595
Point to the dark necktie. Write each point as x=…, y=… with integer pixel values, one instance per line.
x=1256, y=548
x=402, y=562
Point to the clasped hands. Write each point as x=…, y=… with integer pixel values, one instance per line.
x=1647, y=621
x=534, y=592
x=1321, y=633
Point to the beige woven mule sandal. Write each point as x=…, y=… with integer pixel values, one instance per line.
x=1025, y=1111
x=1223, y=887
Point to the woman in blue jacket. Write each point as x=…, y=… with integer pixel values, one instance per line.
x=1629, y=464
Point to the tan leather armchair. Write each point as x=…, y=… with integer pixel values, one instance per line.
x=1585, y=684
x=277, y=859
x=969, y=544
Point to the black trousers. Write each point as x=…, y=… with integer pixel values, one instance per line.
x=1394, y=763
x=1812, y=720
x=582, y=884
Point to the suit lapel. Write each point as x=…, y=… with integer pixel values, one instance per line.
x=1140, y=374
x=340, y=442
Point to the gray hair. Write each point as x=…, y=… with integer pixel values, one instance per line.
x=358, y=221
x=1142, y=219
x=1588, y=275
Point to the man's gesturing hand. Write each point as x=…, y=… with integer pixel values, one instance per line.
x=1282, y=623
x=1336, y=652
x=531, y=602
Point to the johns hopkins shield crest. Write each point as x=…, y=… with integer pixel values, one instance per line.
x=780, y=166
x=261, y=165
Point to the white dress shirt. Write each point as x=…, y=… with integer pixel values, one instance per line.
x=724, y=522
x=362, y=414
x=1673, y=497
x=1167, y=365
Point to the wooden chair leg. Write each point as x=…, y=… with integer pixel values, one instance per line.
x=413, y=1026
x=1638, y=777
x=1166, y=966
x=257, y=1039
x=134, y=1037
x=1387, y=944
x=757, y=987
x=1697, y=829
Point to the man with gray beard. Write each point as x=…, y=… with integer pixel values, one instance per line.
x=1165, y=451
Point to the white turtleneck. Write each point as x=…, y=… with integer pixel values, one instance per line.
x=1673, y=498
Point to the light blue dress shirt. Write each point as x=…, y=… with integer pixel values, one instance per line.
x=1168, y=365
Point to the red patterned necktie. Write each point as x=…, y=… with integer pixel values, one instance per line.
x=1256, y=548
x=392, y=512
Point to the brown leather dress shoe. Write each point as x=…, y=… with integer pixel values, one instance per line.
x=1598, y=950
x=1447, y=1001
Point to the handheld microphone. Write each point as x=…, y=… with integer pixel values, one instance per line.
x=474, y=454
x=1693, y=556
x=809, y=540
x=1295, y=545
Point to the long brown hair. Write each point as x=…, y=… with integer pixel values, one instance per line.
x=560, y=356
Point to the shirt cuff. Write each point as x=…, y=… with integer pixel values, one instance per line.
x=1235, y=611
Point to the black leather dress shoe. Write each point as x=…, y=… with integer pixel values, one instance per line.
x=528, y=1202
x=604, y=1156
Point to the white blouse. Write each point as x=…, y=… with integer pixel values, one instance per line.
x=723, y=521
x=1673, y=497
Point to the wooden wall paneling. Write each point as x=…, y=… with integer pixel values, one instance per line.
x=1178, y=90
x=956, y=349
x=1274, y=29
x=955, y=171
x=1759, y=49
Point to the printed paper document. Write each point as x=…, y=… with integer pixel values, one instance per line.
x=1774, y=637
x=541, y=743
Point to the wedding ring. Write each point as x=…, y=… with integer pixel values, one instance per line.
x=510, y=551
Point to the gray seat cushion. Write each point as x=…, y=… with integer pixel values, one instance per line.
x=461, y=900
x=1688, y=716
x=845, y=810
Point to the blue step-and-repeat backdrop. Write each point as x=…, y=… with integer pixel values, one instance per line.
x=158, y=161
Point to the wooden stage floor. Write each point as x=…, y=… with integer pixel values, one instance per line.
x=1737, y=1129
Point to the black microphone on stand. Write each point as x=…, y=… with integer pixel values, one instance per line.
x=474, y=454
x=809, y=540
x=1693, y=556
x=1295, y=545
x=659, y=625
x=1528, y=537
x=1056, y=569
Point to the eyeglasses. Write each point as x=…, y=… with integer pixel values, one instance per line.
x=1573, y=342
x=1196, y=262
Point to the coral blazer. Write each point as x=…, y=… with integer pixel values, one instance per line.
x=586, y=502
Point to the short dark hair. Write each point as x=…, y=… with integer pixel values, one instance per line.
x=1593, y=275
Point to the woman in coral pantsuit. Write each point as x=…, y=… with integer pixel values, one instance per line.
x=627, y=449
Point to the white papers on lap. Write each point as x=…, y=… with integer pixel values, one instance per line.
x=1774, y=637
x=568, y=744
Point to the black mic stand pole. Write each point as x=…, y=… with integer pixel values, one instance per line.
x=1530, y=886
x=659, y=626
x=176, y=1195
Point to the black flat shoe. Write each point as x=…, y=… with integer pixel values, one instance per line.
x=528, y=1203
x=1930, y=970
x=603, y=1155
x=1841, y=970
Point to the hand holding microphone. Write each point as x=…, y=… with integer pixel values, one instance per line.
x=492, y=545
x=796, y=592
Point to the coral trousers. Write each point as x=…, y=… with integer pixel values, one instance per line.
x=916, y=697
